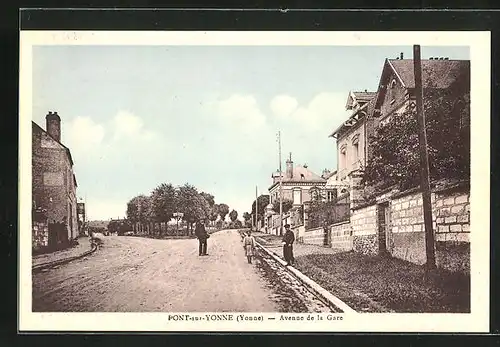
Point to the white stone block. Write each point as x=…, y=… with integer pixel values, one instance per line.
x=451, y=219
x=461, y=199
x=457, y=209
x=449, y=201
x=443, y=228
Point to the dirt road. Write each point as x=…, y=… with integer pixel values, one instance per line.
x=132, y=274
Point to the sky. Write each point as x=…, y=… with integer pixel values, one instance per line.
x=138, y=116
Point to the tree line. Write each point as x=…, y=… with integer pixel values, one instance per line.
x=148, y=212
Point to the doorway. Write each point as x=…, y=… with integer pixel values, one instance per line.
x=384, y=221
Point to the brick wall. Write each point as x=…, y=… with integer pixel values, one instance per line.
x=341, y=236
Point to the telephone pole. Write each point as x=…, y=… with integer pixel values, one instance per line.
x=256, y=210
x=424, y=162
x=281, y=184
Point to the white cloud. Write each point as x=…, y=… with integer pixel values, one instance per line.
x=283, y=105
x=241, y=111
x=322, y=113
x=127, y=125
x=84, y=133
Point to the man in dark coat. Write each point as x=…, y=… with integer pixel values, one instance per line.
x=288, y=239
x=202, y=236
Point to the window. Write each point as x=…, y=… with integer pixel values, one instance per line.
x=355, y=144
x=314, y=194
x=332, y=195
x=297, y=196
x=343, y=157
x=356, y=153
x=391, y=91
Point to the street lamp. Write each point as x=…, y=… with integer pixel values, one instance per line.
x=178, y=216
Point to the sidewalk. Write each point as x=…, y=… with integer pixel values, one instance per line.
x=273, y=243
x=82, y=247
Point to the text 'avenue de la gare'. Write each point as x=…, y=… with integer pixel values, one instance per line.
x=249, y=317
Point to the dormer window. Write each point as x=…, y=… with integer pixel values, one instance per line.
x=391, y=91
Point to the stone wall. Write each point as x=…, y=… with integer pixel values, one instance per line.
x=341, y=236
x=299, y=232
x=405, y=231
x=451, y=211
x=314, y=236
x=364, y=230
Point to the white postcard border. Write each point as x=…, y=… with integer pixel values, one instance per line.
x=476, y=321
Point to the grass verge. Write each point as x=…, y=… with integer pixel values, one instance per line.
x=384, y=284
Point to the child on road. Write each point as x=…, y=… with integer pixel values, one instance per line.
x=249, y=245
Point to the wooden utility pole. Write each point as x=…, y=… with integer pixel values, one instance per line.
x=281, y=185
x=256, y=210
x=424, y=162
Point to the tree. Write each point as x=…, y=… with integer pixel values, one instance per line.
x=133, y=211
x=209, y=198
x=287, y=205
x=163, y=201
x=263, y=201
x=213, y=213
x=192, y=204
x=247, y=218
x=395, y=157
x=233, y=215
x=223, y=211
x=138, y=210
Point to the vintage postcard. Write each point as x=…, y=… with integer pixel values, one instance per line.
x=254, y=181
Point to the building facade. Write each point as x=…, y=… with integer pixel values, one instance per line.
x=351, y=135
x=53, y=187
x=299, y=185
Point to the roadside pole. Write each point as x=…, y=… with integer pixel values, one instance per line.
x=256, y=210
x=281, y=185
x=424, y=162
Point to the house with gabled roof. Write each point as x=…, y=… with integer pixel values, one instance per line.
x=55, y=222
x=396, y=91
x=299, y=184
x=396, y=88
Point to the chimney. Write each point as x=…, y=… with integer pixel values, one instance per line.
x=53, y=125
x=289, y=167
x=401, y=55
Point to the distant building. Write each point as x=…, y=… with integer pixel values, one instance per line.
x=299, y=184
x=54, y=187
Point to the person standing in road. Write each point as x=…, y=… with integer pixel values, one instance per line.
x=202, y=235
x=249, y=245
x=288, y=239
